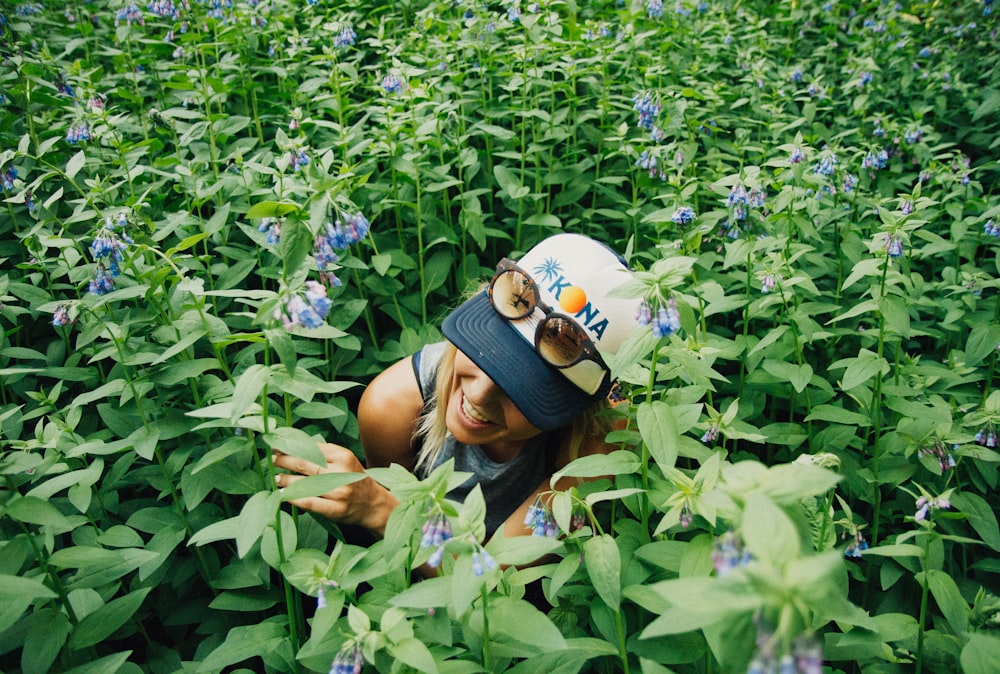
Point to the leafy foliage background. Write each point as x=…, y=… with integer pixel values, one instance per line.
x=807, y=460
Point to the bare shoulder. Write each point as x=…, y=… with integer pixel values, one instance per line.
x=387, y=415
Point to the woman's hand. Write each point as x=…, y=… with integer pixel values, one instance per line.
x=365, y=502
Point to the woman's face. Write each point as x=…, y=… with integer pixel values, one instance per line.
x=480, y=413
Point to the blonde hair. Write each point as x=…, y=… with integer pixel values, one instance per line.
x=432, y=430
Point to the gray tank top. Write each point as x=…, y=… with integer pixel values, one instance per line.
x=505, y=485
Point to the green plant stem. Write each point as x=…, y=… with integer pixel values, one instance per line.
x=292, y=599
x=487, y=658
x=43, y=562
x=419, y=214
x=622, y=645
x=924, y=591
x=876, y=416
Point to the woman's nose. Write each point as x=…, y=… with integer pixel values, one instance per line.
x=482, y=389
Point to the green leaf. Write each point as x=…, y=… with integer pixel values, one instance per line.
x=518, y=550
x=838, y=415
x=603, y=563
x=32, y=510
x=102, y=623
x=281, y=341
x=75, y=163
x=895, y=550
x=980, y=516
x=865, y=267
x=16, y=594
x=983, y=340
x=863, y=368
x=243, y=643
x=522, y=622
x=658, y=428
x=296, y=242
x=109, y=664
x=980, y=654
x=216, y=531
x=430, y=593
x=297, y=443
x=768, y=532
x=246, y=389
x=271, y=209
x=314, y=485
x=619, y=462
x=796, y=375
x=143, y=441
x=686, y=604
x=257, y=513
x=45, y=636
x=949, y=600
x=415, y=654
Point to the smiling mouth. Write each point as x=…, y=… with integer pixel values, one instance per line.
x=473, y=413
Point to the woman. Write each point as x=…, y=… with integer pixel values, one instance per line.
x=512, y=395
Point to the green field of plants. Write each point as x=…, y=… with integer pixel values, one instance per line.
x=222, y=218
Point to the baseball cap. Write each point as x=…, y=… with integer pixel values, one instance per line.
x=574, y=275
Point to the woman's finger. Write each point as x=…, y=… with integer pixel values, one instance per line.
x=295, y=464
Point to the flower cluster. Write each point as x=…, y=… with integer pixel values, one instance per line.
x=728, y=553
x=436, y=532
x=683, y=215
x=796, y=156
x=648, y=106
x=298, y=159
x=925, y=505
x=344, y=38
x=392, y=84
x=540, y=520
x=325, y=587
x=711, y=434
x=826, y=165
x=992, y=229
x=805, y=658
x=913, y=135
x=78, y=132
x=893, y=244
x=272, y=226
x=29, y=9
x=166, y=9
x=987, y=436
x=857, y=545
x=129, y=14
x=768, y=281
x=944, y=457
x=108, y=249
x=654, y=8
x=665, y=322
x=649, y=161
x=686, y=516
x=482, y=561
x=349, y=660
x=875, y=161
x=8, y=178
x=61, y=316
x=307, y=313
x=340, y=234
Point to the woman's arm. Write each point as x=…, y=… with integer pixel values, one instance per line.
x=387, y=415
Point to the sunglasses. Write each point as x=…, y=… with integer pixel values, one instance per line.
x=559, y=340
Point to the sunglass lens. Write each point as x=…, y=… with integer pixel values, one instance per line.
x=560, y=342
x=513, y=294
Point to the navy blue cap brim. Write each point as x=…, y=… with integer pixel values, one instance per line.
x=541, y=393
